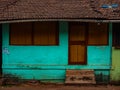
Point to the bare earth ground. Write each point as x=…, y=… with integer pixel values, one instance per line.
x=59, y=87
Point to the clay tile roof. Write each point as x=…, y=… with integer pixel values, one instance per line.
x=57, y=9
x=108, y=13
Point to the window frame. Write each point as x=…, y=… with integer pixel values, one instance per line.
x=99, y=44
x=32, y=36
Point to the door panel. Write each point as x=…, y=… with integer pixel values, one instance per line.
x=73, y=53
x=81, y=53
x=77, y=53
x=77, y=33
x=77, y=43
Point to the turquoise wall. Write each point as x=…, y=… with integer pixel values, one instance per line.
x=51, y=62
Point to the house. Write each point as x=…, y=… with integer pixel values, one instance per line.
x=41, y=39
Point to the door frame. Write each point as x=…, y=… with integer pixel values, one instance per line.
x=85, y=44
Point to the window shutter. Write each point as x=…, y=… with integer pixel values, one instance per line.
x=20, y=34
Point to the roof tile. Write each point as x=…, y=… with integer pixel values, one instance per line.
x=57, y=9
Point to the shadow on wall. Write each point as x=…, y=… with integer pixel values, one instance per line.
x=102, y=76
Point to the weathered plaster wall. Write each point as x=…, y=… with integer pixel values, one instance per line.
x=115, y=72
x=51, y=62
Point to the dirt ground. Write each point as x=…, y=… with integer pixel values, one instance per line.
x=58, y=87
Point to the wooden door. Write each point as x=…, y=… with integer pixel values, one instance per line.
x=77, y=43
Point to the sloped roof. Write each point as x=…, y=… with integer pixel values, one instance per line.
x=108, y=13
x=57, y=9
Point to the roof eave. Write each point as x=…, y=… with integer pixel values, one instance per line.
x=74, y=20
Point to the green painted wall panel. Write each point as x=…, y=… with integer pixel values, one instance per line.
x=115, y=71
x=30, y=62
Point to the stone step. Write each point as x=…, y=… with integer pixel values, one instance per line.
x=80, y=77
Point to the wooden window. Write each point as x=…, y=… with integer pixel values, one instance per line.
x=45, y=33
x=38, y=33
x=116, y=35
x=98, y=34
x=21, y=34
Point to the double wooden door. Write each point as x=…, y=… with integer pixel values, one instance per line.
x=77, y=43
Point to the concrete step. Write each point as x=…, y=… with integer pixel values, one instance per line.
x=80, y=77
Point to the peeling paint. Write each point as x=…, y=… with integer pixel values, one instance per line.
x=6, y=51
